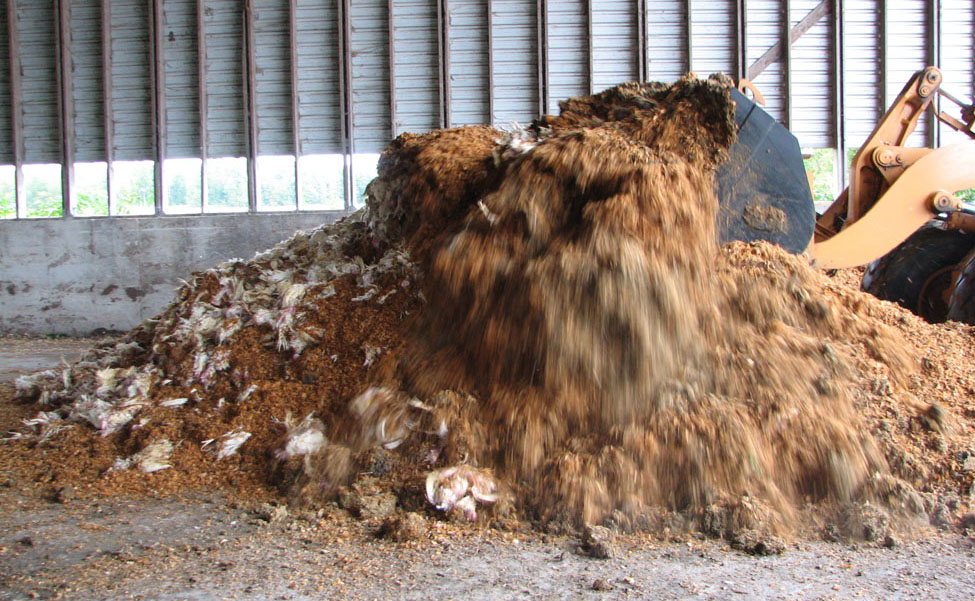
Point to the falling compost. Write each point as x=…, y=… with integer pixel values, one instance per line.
x=535, y=324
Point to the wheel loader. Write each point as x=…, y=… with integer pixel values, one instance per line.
x=899, y=215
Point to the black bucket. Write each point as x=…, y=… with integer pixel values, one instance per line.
x=762, y=189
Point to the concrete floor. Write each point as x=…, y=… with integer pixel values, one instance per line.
x=22, y=355
x=115, y=549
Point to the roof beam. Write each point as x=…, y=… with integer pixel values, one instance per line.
x=780, y=49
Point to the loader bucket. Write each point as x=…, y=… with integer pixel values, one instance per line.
x=762, y=190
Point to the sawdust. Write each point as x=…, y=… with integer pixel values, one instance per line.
x=534, y=325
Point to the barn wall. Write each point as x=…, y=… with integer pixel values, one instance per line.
x=72, y=276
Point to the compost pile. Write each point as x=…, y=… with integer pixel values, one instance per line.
x=533, y=325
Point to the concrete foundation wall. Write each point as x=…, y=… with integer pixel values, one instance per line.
x=74, y=276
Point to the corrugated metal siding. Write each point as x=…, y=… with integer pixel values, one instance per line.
x=224, y=27
x=764, y=30
x=6, y=128
x=568, y=56
x=87, y=84
x=812, y=80
x=38, y=53
x=863, y=98
x=957, y=58
x=370, y=75
x=273, y=73
x=667, y=39
x=492, y=63
x=319, y=115
x=416, y=67
x=131, y=80
x=713, y=36
x=181, y=79
x=615, y=43
x=906, y=52
x=905, y=43
x=467, y=49
x=514, y=39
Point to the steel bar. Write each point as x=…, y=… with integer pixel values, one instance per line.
x=786, y=43
x=490, y=59
x=348, y=139
x=253, y=150
x=688, y=36
x=839, y=121
x=643, y=66
x=934, y=58
x=740, y=39
x=16, y=108
x=158, y=90
x=343, y=130
x=541, y=26
x=202, y=100
x=591, y=68
x=66, y=127
x=777, y=51
x=108, y=122
x=391, y=45
x=443, y=60
x=295, y=125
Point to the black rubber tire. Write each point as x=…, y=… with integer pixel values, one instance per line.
x=961, y=305
x=918, y=274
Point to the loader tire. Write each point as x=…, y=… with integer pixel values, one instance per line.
x=918, y=274
x=961, y=305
